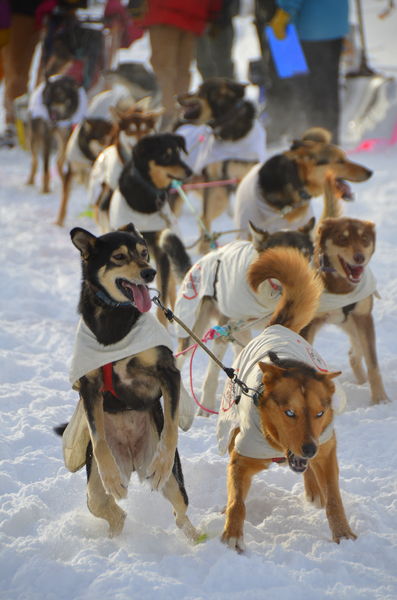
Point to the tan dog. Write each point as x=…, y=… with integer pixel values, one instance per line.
x=343, y=249
x=276, y=194
x=289, y=417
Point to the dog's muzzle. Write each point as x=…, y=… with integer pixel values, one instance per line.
x=298, y=464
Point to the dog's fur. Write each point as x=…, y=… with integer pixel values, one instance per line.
x=91, y=136
x=144, y=183
x=294, y=406
x=343, y=249
x=131, y=431
x=220, y=103
x=209, y=310
x=60, y=97
x=288, y=180
x=133, y=123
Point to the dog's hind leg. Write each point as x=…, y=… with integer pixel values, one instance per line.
x=366, y=333
x=100, y=503
x=174, y=491
x=66, y=186
x=46, y=153
x=355, y=351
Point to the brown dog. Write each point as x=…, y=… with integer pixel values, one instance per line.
x=343, y=249
x=287, y=415
x=234, y=141
x=277, y=194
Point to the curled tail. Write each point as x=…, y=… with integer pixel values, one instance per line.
x=173, y=246
x=302, y=287
x=332, y=206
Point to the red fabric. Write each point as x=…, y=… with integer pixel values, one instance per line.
x=107, y=374
x=191, y=15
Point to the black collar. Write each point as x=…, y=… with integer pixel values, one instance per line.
x=106, y=299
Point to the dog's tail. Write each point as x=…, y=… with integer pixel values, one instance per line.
x=301, y=285
x=60, y=429
x=332, y=206
x=174, y=248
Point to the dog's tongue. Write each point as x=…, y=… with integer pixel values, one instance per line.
x=141, y=297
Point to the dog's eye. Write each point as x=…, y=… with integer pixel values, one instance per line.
x=319, y=414
x=290, y=413
x=366, y=240
x=321, y=162
x=119, y=256
x=144, y=253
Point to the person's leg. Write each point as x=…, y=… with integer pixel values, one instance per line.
x=321, y=100
x=219, y=50
x=172, y=53
x=187, y=44
x=205, y=62
x=17, y=56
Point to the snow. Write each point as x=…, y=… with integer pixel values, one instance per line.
x=53, y=548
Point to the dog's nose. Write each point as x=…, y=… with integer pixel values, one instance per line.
x=148, y=275
x=359, y=258
x=369, y=173
x=309, y=450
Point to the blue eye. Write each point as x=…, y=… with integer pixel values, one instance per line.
x=290, y=413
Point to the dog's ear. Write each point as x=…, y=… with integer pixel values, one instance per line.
x=181, y=142
x=130, y=228
x=83, y=240
x=271, y=372
x=308, y=227
x=259, y=236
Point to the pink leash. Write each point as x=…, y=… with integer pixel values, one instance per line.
x=210, y=335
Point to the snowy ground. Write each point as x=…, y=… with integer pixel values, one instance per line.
x=53, y=548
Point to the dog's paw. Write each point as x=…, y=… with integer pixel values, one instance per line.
x=113, y=484
x=380, y=399
x=110, y=472
x=345, y=533
x=233, y=542
x=203, y=413
x=117, y=523
x=160, y=468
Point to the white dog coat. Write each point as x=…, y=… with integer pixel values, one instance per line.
x=37, y=109
x=250, y=440
x=89, y=355
x=121, y=213
x=204, y=148
x=251, y=207
x=366, y=287
x=222, y=274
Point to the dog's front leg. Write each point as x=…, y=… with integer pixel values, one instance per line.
x=93, y=406
x=240, y=471
x=326, y=470
x=161, y=465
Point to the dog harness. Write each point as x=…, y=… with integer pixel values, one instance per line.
x=221, y=275
x=251, y=207
x=250, y=441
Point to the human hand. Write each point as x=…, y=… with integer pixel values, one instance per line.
x=279, y=23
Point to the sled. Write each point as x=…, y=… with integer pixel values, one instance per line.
x=369, y=100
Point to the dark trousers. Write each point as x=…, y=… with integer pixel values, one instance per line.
x=317, y=94
x=311, y=100
x=214, y=52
